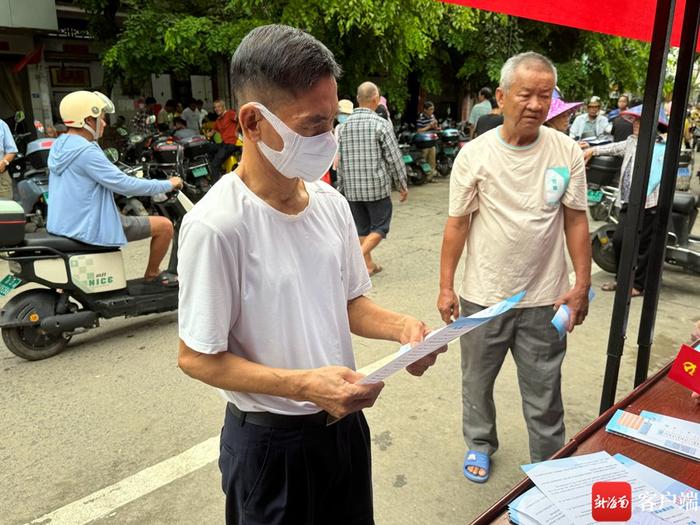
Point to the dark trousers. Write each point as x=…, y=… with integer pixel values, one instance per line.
x=218, y=154
x=649, y=220
x=297, y=476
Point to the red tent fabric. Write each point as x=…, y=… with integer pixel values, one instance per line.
x=626, y=18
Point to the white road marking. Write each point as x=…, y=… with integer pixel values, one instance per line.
x=105, y=501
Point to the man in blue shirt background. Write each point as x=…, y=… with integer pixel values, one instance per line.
x=82, y=183
x=8, y=150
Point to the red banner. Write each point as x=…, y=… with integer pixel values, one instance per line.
x=626, y=18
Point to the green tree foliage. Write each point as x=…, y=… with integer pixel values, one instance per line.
x=384, y=40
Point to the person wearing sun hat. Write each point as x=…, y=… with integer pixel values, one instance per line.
x=560, y=113
x=345, y=108
x=627, y=150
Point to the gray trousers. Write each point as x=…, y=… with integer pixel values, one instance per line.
x=538, y=355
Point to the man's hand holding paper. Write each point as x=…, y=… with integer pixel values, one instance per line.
x=414, y=333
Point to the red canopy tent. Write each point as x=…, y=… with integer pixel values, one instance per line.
x=663, y=22
x=626, y=18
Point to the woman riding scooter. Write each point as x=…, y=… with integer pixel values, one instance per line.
x=82, y=183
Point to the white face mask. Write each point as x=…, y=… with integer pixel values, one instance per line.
x=307, y=158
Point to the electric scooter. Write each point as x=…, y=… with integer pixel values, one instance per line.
x=682, y=248
x=85, y=283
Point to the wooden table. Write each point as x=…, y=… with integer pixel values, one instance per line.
x=657, y=394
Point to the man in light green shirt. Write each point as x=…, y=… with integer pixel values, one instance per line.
x=481, y=109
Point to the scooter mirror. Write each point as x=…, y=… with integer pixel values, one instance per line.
x=19, y=117
x=122, y=132
x=112, y=154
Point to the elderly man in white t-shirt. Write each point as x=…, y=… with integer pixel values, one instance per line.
x=272, y=283
x=517, y=193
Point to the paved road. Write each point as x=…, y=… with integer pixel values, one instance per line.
x=111, y=431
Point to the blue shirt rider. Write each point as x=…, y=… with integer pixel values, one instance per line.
x=82, y=184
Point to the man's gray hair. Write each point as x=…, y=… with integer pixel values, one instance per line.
x=522, y=59
x=278, y=58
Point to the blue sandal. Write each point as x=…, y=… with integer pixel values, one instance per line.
x=481, y=460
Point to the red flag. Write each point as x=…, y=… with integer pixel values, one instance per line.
x=686, y=368
x=30, y=58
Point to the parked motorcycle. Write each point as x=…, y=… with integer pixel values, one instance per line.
x=137, y=206
x=30, y=180
x=682, y=248
x=602, y=177
x=451, y=141
x=83, y=283
x=413, y=146
x=196, y=170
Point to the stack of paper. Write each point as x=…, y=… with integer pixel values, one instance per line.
x=562, y=492
x=665, y=432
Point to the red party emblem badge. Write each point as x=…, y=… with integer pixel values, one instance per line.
x=611, y=501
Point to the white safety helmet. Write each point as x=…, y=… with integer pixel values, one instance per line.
x=79, y=105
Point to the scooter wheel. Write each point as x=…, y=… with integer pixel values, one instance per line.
x=31, y=342
x=604, y=253
x=416, y=176
x=28, y=343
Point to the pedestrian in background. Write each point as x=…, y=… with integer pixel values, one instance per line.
x=8, y=150
x=144, y=110
x=590, y=125
x=483, y=107
x=191, y=115
x=489, y=121
x=427, y=122
x=369, y=160
x=226, y=125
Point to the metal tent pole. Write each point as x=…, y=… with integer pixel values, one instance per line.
x=663, y=21
x=681, y=90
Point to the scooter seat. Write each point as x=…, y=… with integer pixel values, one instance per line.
x=684, y=203
x=62, y=244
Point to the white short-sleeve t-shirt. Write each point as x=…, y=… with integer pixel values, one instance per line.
x=515, y=196
x=270, y=287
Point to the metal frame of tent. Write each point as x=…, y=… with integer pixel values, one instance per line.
x=661, y=36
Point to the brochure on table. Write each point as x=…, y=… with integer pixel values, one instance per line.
x=668, y=433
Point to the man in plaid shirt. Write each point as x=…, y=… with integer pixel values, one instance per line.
x=369, y=159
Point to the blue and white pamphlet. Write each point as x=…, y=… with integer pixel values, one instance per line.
x=562, y=316
x=668, y=433
x=407, y=354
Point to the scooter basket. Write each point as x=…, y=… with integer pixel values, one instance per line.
x=449, y=135
x=166, y=153
x=38, y=152
x=603, y=170
x=425, y=140
x=12, y=223
x=195, y=147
